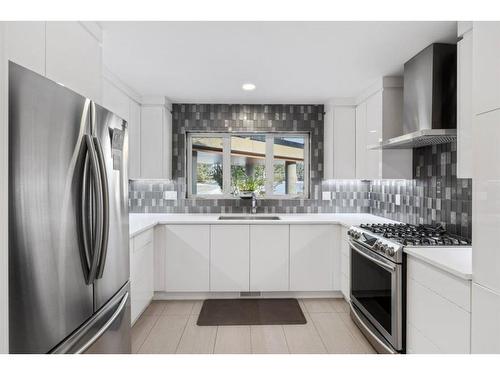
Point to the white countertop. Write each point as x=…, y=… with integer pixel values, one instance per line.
x=141, y=222
x=455, y=260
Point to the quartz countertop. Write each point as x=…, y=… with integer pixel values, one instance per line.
x=141, y=222
x=455, y=260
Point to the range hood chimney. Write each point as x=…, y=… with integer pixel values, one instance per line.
x=429, y=99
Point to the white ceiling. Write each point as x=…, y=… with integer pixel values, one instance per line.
x=290, y=62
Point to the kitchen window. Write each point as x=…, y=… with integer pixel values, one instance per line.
x=273, y=165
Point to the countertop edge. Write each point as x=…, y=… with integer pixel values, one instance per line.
x=416, y=254
x=152, y=222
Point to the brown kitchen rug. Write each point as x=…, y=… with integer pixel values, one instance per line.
x=251, y=311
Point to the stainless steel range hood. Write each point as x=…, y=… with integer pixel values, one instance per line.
x=430, y=99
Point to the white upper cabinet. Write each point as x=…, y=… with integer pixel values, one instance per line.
x=340, y=142
x=134, y=140
x=486, y=63
x=74, y=58
x=379, y=116
x=25, y=44
x=464, y=106
x=156, y=139
x=361, y=149
x=152, y=157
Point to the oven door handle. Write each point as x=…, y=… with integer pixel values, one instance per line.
x=388, y=267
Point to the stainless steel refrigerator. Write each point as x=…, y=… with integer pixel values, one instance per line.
x=68, y=221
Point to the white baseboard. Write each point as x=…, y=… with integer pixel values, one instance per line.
x=158, y=296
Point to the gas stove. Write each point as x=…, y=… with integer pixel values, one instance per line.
x=388, y=240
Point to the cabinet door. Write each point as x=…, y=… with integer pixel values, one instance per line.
x=374, y=107
x=187, y=258
x=269, y=257
x=73, y=58
x=152, y=158
x=486, y=58
x=25, y=44
x=345, y=265
x=229, y=258
x=134, y=141
x=485, y=336
x=361, y=150
x=486, y=197
x=311, y=257
x=344, y=143
x=141, y=273
x=442, y=322
x=464, y=106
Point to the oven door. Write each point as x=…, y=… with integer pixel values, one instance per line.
x=376, y=291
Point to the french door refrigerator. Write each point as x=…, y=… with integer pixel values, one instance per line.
x=68, y=221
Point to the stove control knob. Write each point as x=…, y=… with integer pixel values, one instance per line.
x=376, y=246
x=357, y=235
x=349, y=232
x=390, y=251
x=384, y=248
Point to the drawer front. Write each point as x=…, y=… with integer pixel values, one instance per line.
x=143, y=239
x=416, y=343
x=443, y=283
x=442, y=322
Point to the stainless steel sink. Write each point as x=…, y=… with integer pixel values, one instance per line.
x=249, y=217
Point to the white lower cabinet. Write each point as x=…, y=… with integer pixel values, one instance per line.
x=269, y=258
x=187, y=254
x=485, y=320
x=345, y=265
x=438, y=310
x=242, y=258
x=311, y=257
x=230, y=258
x=141, y=275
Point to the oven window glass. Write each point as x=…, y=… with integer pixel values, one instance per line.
x=371, y=285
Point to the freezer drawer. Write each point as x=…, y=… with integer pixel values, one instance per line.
x=107, y=332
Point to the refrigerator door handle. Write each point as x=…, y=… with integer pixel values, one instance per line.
x=85, y=236
x=105, y=212
x=98, y=214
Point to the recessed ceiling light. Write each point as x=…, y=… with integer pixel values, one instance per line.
x=248, y=86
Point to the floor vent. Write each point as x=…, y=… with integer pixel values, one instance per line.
x=250, y=294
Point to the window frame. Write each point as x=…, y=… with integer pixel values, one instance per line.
x=226, y=162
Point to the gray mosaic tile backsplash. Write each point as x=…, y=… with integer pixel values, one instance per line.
x=435, y=195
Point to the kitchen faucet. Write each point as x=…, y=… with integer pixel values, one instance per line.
x=254, y=203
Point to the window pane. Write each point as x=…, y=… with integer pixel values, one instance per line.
x=248, y=163
x=288, y=164
x=206, y=164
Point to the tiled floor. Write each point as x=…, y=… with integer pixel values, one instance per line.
x=170, y=327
